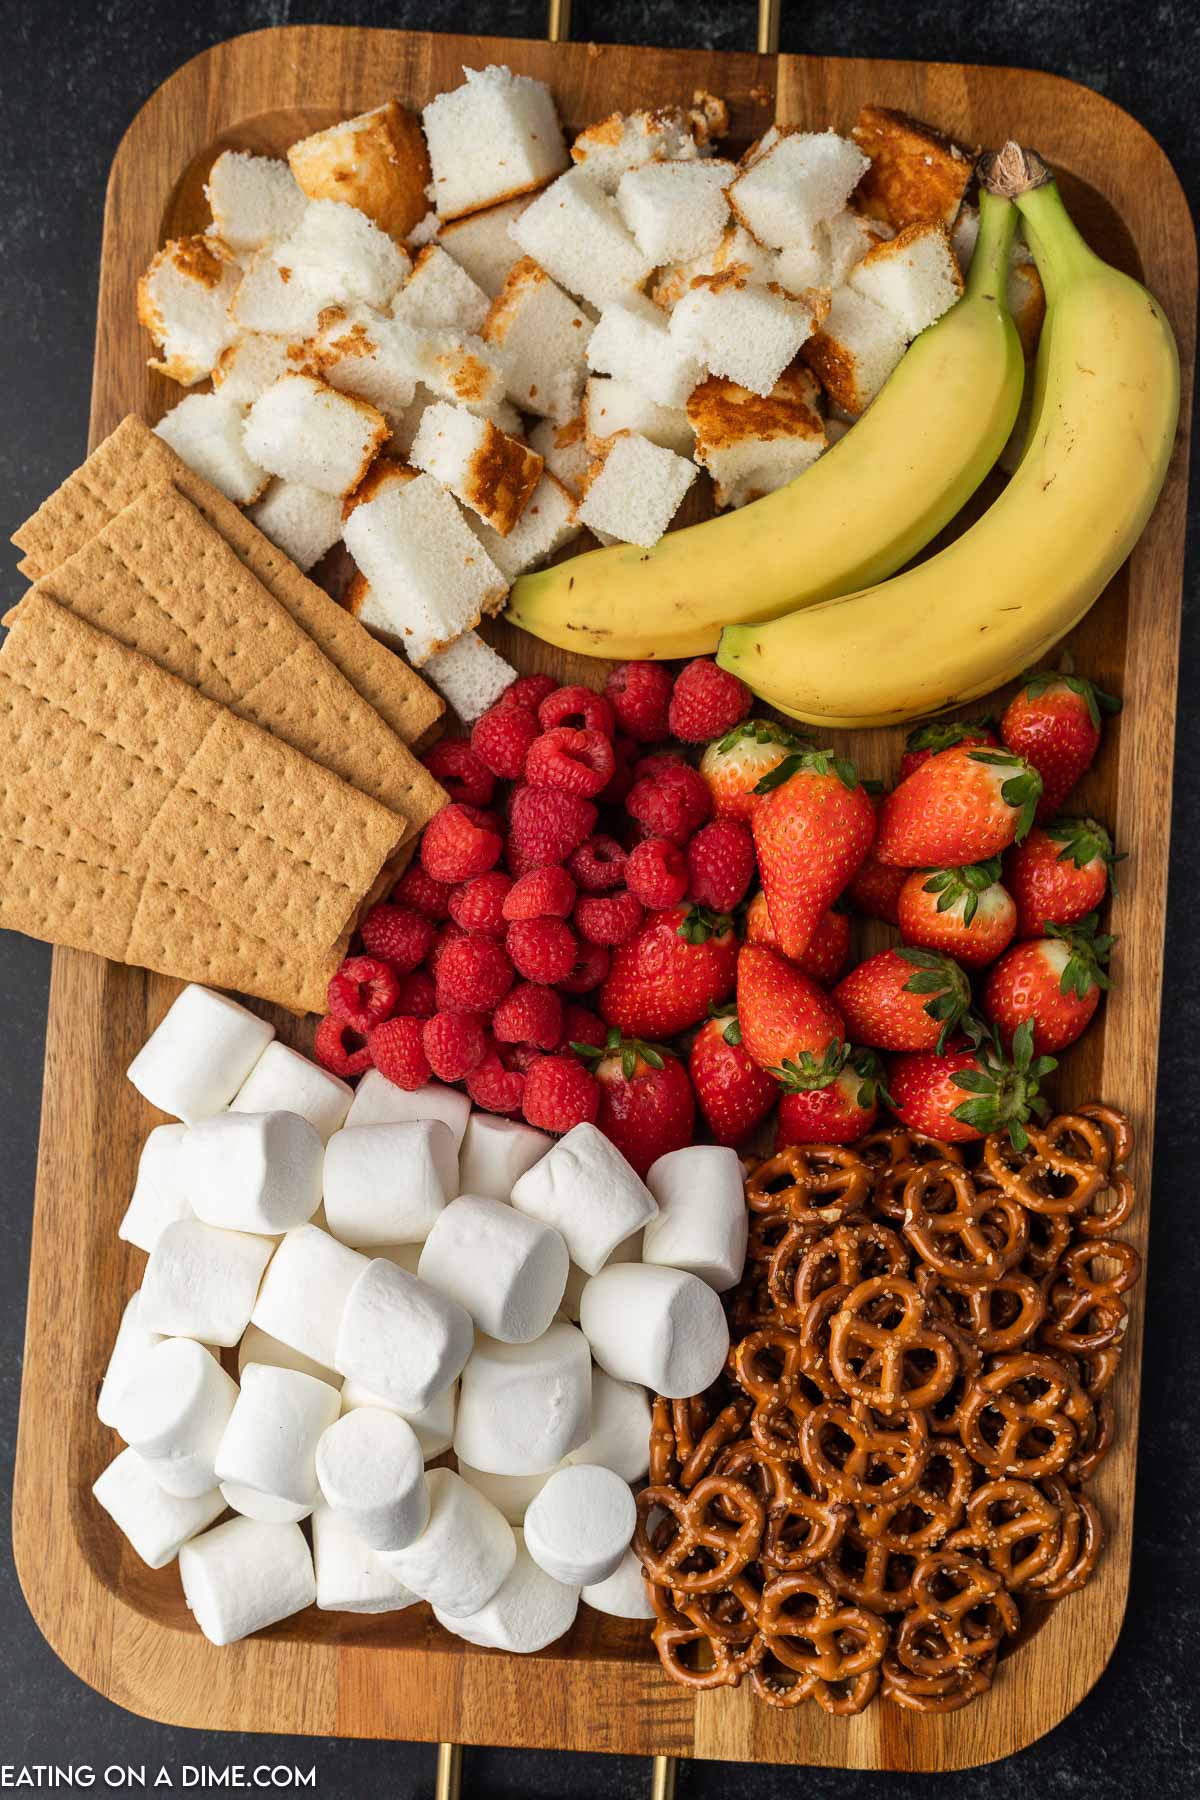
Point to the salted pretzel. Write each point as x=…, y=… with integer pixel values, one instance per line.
x=816, y=1186
x=724, y=1429
x=729, y=1544
x=883, y=1461
x=969, y=1237
x=936, y=1693
x=871, y=1358
x=924, y=1517
x=1005, y=1514
x=810, y=1629
x=961, y=1611
x=1035, y=1435
x=1044, y=1176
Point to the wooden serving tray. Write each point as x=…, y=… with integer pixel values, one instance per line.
x=125, y=1630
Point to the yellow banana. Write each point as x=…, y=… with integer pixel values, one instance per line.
x=1105, y=408
x=863, y=510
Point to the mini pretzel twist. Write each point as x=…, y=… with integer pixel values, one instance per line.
x=815, y=1186
x=1003, y=1514
x=961, y=1611
x=881, y=1379
x=1044, y=1176
x=731, y=1545
x=810, y=1630
x=1042, y=1418
x=902, y=1450
x=936, y=1693
x=972, y=1242
x=896, y=1525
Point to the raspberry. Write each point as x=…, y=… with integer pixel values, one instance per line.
x=342, y=1051
x=541, y=949
x=673, y=803
x=621, y=779
x=529, y=1014
x=608, y=918
x=464, y=777
x=362, y=993
x=707, y=702
x=519, y=1056
x=398, y=1052
x=598, y=864
x=547, y=893
x=416, y=997
x=720, y=860
x=398, y=935
x=418, y=889
x=455, y=1043
x=459, y=842
x=493, y=1087
x=580, y=1025
x=476, y=905
x=528, y=691
x=501, y=737
x=545, y=825
x=449, y=934
x=656, y=872
x=473, y=975
x=580, y=707
x=656, y=761
x=587, y=971
x=579, y=762
x=560, y=1093
x=640, y=693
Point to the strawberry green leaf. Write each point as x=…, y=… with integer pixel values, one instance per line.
x=807, y=1073
x=943, y=734
x=809, y=762
x=966, y=883
x=1006, y=1091
x=940, y=977
x=700, y=923
x=1097, y=701
x=760, y=731
x=1089, y=952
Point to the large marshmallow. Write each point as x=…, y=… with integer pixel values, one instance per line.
x=507, y=1270
x=378, y=1101
x=130, y=1345
x=630, y=1250
x=245, y=1575
x=528, y=1610
x=173, y=1410
x=271, y=1439
x=387, y=1184
x=198, y=1058
x=267, y=1507
x=249, y=1171
x=579, y=1526
x=623, y=1594
x=202, y=1282
x=258, y=1346
x=371, y=1472
x=156, y=1523
x=661, y=1327
x=496, y=1153
x=305, y=1291
x=523, y=1407
x=464, y=1552
x=350, y=1575
x=620, y=1434
x=434, y=1424
x=585, y=1188
x=400, y=1337
x=701, y=1223
x=511, y=1493
x=284, y=1081
x=158, y=1195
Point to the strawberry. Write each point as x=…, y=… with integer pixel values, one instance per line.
x=1053, y=721
x=1059, y=874
x=924, y=741
x=903, y=999
x=828, y=947
x=1052, y=983
x=970, y=1089
x=734, y=1094
x=965, y=912
x=813, y=823
x=647, y=1107
x=874, y=890
x=835, y=1105
x=784, y=1015
x=682, y=961
x=733, y=765
x=961, y=806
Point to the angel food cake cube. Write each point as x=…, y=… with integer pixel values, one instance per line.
x=915, y=276
x=494, y=137
x=469, y=675
x=254, y=199
x=564, y=450
x=916, y=173
x=540, y=337
x=207, y=432
x=482, y=244
x=610, y=406
x=490, y=472
x=278, y=302
x=304, y=430
x=575, y=232
x=634, y=342
x=676, y=210
x=376, y=162
x=802, y=179
x=337, y=250
x=440, y=293
x=246, y=369
x=736, y=247
x=624, y=141
x=854, y=350
x=547, y=522
x=636, y=491
x=750, y=445
x=364, y=353
x=744, y=331
x=301, y=520
x=183, y=301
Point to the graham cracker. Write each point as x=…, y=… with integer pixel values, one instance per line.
x=132, y=459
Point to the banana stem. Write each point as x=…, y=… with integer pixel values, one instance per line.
x=987, y=277
x=1058, y=248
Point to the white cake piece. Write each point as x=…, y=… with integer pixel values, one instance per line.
x=362, y=352
x=400, y=1337
x=523, y=1407
x=539, y=336
x=489, y=471
x=464, y=1553
x=258, y=1346
x=250, y=366
x=915, y=276
x=850, y=235
x=493, y=138
x=371, y=1472
x=611, y=405
x=254, y=199
x=735, y=249
x=249, y=1171
x=378, y=1101
x=854, y=350
x=183, y=301
x=245, y=1575
x=156, y=1523
x=159, y=1197
x=620, y=1436
x=701, y=1221
x=528, y=1611
x=549, y=521
x=388, y=1184
x=574, y=231
x=278, y=304
x=305, y=430
x=623, y=1594
x=350, y=1575
x=496, y=1152
x=433, y=1425
x=439, y=292
x=338, y=249
x=676, y=210
x=511, y=1493
x=564, y=450
x=207, y=432
x=623, y=141
x=132, y=1341
x=505, y=1269
x=578, y=1527
x=751, y=446
x=173, y=1409
x=201, y=1282
x=197, y=1058
x=802, y=179
x=632, y=341
x=481, y=245
x=637, y=490
x=283, y=1080
x=376, y=162
x=468, y=674
x=745, y=331
x=587, y=1191
x=300, y=520
x=270, y=1441
x=662, y=1328
x=304, y=1295
x=466, y=371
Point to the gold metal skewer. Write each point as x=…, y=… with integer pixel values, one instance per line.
x=662, y=1781
x=768, y=27
x=448, y=1785
x=558, y=26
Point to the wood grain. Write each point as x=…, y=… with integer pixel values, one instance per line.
x=124, y=1629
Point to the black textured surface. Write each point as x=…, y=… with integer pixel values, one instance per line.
x=71, y=78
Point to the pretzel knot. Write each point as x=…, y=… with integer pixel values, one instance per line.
x=1045, y=1176
x=1013, y=1429
x=919, y=1520
x=1004, y=1515
x=815, y=1185
x=961, y=1612
x=850, y=1456
x=936, y=1693
x=728, y=1543
x=729, y=1662
x=1079, y=1547
x=892, y=1156
x=971, y=1242
x=803, y=1533
x=1086, y=1310
x=872, y=1357
x=809, y=1630
x=1007, y=1314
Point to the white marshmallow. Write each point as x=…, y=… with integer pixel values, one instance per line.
x=201, y=1282
x=284, y=1081
x=271, y=1439
x=507, y=1270
x=129, y=1347
x=158, y=1198
x=661, y=1327
x=577, y=1279
x=701, y=1223
x=371, y=1472
x=620, y=1435
x=523, y=1407
x=194, y=1063
x=585, y=1188
x=623, y=1594
x=464, y=1552
x=249, y=1171
x=405, y=1256
x=267, y=1507
x=387, y=1184
x=258, y=1346
x=378, y=1101
x=245, y=1575
x=305, y=1291
x=173, y=1410
x=434, y=1424
x=579, y=1526
x=156, y=1523
x=496, y=1152
x=528, y=1611
x=401, y=1337
x=350, y=1576
x=511, y=1493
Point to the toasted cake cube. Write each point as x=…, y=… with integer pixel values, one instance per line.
x=798, y=182
x=339, y=250
x=575, y=232
x=302, y=521
x=481, y=243
x=611, y=147
x=548, y=522
x=440, y=293
x=490, y=472
x=386, y=471
x=916, y=173
x=362, y=352
x=851, y=235
x=183, y=301
x=805, y=265
x=633, y=341
x=406, y=425
x=564, y=450
x=745, y=331
x=254, y=199
x=495, y=137
x=915, y=275
x=750, y=445
x=469, y=675
x=736, y=248
x=206, y=431
x=539, y=336
x=635, y=492
x=246, y=368
x=463, y=370
x=854, y=350
x=611, y=405
x=376, y=162
x=676, y=210
x=278, y=302
x=304, y=430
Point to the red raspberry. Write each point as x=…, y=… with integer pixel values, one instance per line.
x=545, y=825
x=342, y=1051
x=398, y=1052
x=579, y=762
x=673, y=803
x=580, y=707
x=560, y=1093
x=707, y=702
x=416, y=997
x=519, y=1056
x=608, y=918
x=547, y=893
x=449, y=934
x=621, y=780
x=493, y=1087
x=580, y=1025
x=417, y=888
x=501, y=737
x=362, y=993
x=461, y=773
x=476, y=905
x=528, y=691
x=459, y=842
x=455, y=1043
x=529, y=1014
x=720, y=860
x=541, y=949
x=588, y=970
x=473, y=975
x=640, y=693
x=656, y=761
x=656, y=872
x=598, y=865
x=397, y=935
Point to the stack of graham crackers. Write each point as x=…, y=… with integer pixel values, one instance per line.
x=208, y=766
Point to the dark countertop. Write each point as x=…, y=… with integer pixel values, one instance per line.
x=72, y=77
